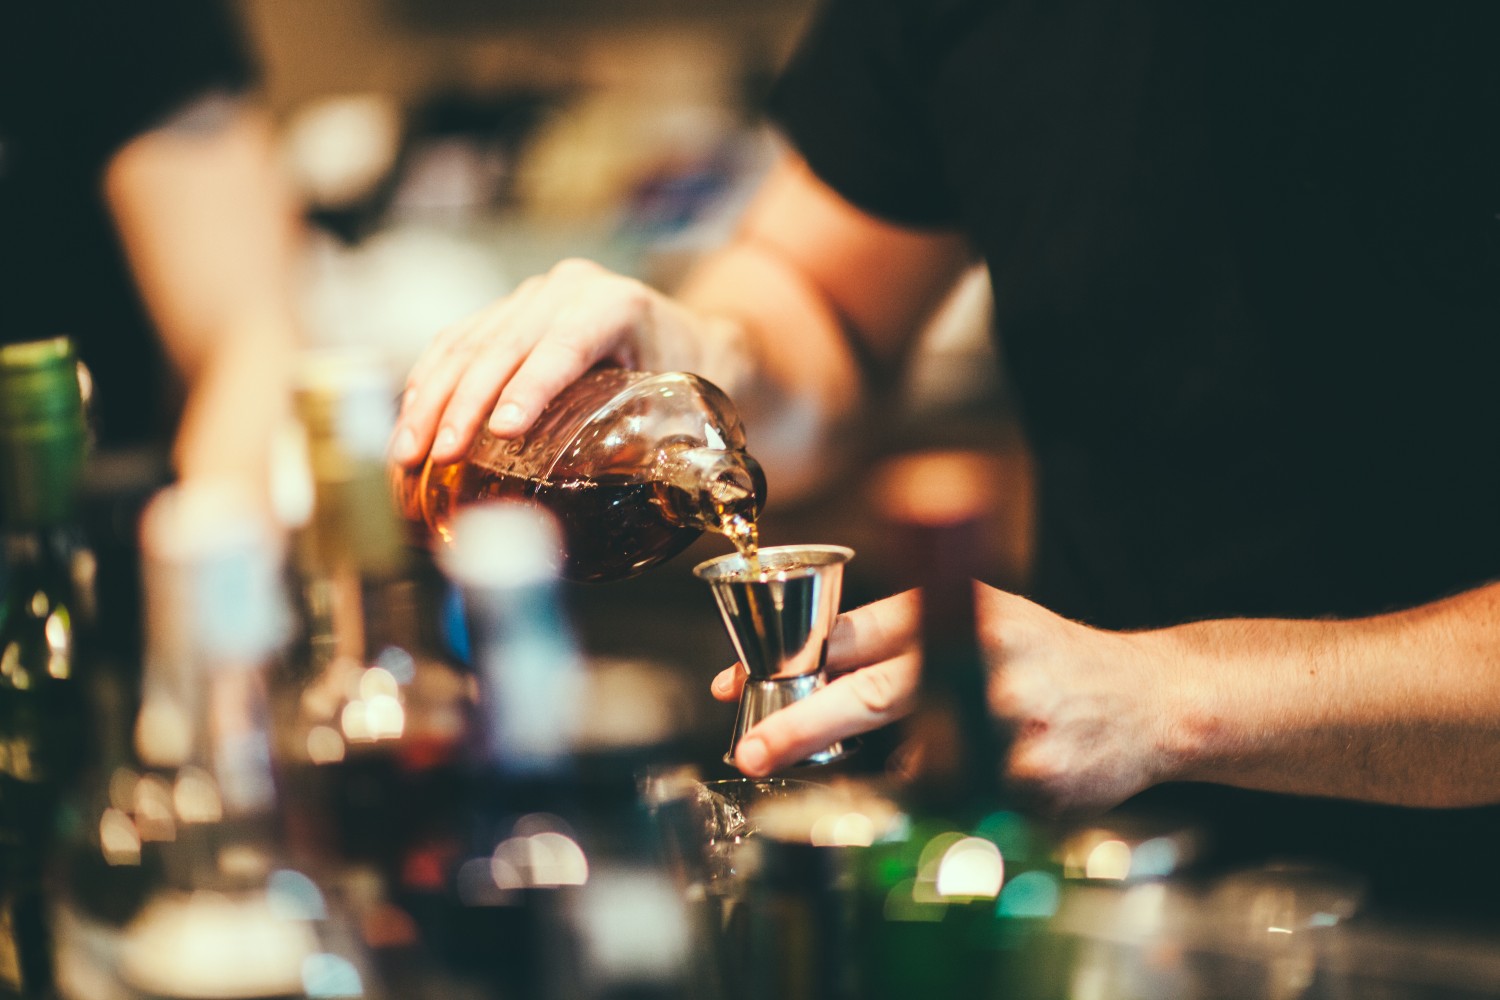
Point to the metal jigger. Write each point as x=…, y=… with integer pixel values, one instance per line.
x=779, y=619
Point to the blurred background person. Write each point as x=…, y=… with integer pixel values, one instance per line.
x=1254, y=487
x=142, y=212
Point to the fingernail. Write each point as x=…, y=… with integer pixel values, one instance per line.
x=404, y=448
x=752, y=756
x=723, y=681
x=445, y=441
x=507, y=418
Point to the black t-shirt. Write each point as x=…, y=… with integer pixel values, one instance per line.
x=78, y=80
x=1246, y=263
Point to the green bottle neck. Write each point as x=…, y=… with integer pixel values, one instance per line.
x=43, y=432
x=39, y=477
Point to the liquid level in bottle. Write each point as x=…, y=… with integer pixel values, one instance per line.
x=612, y=527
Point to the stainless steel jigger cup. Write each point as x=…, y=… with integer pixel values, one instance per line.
x=779, y=620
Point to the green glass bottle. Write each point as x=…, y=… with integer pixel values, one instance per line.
x=957, y=902
x=47, y=598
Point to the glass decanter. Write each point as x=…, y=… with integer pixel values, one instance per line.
x=633, y=465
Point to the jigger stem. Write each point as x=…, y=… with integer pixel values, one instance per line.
x=778, y=615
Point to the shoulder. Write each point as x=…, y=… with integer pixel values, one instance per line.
x=131, y=66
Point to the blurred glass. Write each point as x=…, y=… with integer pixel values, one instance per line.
x=705, y=825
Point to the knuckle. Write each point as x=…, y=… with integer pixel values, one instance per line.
x=1037, y=772
x=635, y=299
x=469, y=394
x=443, y=338
x=1005, y=631
x=875, y=690
x=460, y=348
x=785, y=736
x=571, y=350
x=794, y=733
x=525, y=289
x=574, y=269
x=1004, y=697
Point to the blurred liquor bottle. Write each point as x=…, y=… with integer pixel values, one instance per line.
x=372, y=702
x=634, y=466
x=958, y=904
x=227, y=914
x=559, y=890
x=47, y=603
x=371, y=707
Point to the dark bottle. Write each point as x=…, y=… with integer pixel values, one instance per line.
x=633, y=465
x=498, y=919
x=229, y=915
x=371, y=708
x=958, y=905
x=48, y=599
x=558, y=890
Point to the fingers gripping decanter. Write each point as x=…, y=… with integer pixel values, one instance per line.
x=634, y=466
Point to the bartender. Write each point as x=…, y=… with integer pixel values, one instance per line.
x=1246, y=264
x=141, y=213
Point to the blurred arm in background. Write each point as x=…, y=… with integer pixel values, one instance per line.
x=209, y=231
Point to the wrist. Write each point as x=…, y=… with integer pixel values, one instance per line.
x=1191, y=726
x=679, y=338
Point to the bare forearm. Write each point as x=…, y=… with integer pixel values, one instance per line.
x=210, y=233
x=808, y=277
x=778, y=349
x=1399, y=708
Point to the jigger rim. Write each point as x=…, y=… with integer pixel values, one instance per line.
x=798, y=561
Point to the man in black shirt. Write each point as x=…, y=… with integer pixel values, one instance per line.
x=141, y=213
x=1246, y=263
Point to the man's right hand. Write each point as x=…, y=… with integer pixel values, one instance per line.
x=505, y=363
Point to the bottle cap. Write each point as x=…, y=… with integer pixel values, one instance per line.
x=39, y=384
x=43, y=431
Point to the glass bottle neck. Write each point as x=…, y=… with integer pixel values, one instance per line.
x=710, y=488
x=354, y=523
x=40, y=468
